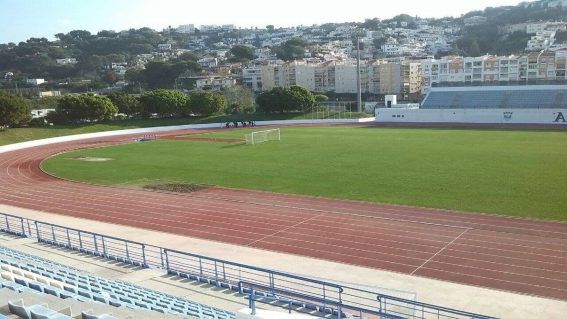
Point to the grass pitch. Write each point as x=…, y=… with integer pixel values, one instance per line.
x=521, y=173
x=15, y=135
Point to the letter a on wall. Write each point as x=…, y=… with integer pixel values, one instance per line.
x=560, y=118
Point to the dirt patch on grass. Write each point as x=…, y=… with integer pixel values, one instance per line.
x=91, y=159
x=176, y=188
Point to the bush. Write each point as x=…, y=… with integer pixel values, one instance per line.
x=38, y=122
x=84, y=108
x=14, y=110
x=207, y=103
x=164, y=103
x=279, y=99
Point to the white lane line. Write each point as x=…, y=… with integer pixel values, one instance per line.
x=285, y=229
x=440, y=250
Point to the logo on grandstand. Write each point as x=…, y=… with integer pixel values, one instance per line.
x=508, y=115
x=560, y=118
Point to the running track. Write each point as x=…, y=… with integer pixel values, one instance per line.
x=520, y=255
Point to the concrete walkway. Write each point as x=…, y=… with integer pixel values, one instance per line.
x=474, y=299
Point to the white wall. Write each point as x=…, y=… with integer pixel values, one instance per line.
x=490, y=116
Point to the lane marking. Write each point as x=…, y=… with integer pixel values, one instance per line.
x=440, y=251
x=285, y=229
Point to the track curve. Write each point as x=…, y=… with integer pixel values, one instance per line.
x=515, y=254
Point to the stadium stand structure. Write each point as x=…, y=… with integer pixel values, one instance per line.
x=504, y=97
x=26, y=273
x=540, y=105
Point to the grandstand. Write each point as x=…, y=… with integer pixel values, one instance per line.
x=535, y=104
x=35, y=287
x=21, y=272
x=503, y=97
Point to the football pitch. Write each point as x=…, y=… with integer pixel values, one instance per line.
x=511, y=172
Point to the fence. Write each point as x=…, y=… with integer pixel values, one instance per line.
x=258, y=283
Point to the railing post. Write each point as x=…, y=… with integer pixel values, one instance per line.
x=37, y=231
x=103, y=247
x=68, y=238
x=95, y=243
x=29, y=228
x=23, y=229
x=161, y=252
x=252, y=302
x=53, y=233
x=271, y=277
x=80, y=241
x=166, y=260
x=200, y=266
x=216, y=274
x=127, y=252
x=223, y=272
x=143, y=256
x=7, y=223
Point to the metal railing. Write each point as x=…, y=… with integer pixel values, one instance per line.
x=256, y=282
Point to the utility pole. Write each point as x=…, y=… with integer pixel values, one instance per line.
x=358, y=84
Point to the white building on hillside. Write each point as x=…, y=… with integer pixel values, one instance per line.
x=66, y=61
x=186, y=28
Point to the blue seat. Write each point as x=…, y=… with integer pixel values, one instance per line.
x=70, y=289
x=19, y=309
x=85, y=294
x=114, y=302
x=36, y=286
x=89, y=315
x=21, y=282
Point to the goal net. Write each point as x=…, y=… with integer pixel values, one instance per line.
x=262, y=136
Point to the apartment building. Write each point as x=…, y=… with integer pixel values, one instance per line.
x=252, y=78
x=186, y=28
x=377, y=76
x=489, y=70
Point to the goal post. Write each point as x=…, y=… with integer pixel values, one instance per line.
x=263, y=136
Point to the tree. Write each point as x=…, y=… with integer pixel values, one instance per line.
x=49, y=102
x=371, y=24
x=164, y=103
x=273, y=100
x=240, y=99
x=270, y=27
x=469, y=46
x=188, y=56
x=85, y=107
x=125, y=103
x=291, y=49
x=302, y=99
x=561, y=36
x=241, y=53
x=321, y=98
x=163, y=74
x=282, y=100
x=206, y=102
x=14, y=110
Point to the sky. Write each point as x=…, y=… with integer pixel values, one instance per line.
x=22, y=19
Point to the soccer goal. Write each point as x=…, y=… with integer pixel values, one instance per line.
x=263, y=136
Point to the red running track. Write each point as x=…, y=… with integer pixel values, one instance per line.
x=514, y=254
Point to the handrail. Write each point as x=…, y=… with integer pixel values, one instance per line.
x=228, y=272
x=275, y=272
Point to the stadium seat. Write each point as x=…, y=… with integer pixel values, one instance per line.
x=89, y=315
x=67, y=282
